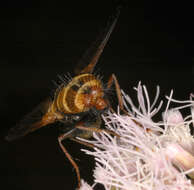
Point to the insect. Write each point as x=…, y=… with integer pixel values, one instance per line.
x=78, y=102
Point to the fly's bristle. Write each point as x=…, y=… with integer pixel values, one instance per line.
x=62, y=79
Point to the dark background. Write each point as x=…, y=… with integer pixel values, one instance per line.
x=40, y=39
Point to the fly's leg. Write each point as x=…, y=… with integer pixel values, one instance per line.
x=97, y=130
x=79, y=132
x=83, y=143
x=60, y=139
x=84, y=130
x=114, y=80
x=70, y=135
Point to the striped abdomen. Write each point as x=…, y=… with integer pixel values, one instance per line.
x=79, y=95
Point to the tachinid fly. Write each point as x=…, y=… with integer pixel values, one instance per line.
x=78, y=103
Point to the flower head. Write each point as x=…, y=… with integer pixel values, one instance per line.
x=148, y=155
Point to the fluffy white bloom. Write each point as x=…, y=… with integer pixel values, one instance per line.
x=148, y=155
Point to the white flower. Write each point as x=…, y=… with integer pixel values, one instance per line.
x=148, y=155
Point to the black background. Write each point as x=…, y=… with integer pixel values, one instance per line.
x=40, y=39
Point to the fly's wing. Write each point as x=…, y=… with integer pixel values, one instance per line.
x=88, y=61
x=32, y=121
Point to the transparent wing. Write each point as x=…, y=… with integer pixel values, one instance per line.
x=88, y=61
x=32, y=121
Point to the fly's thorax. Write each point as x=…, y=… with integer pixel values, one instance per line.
x=79, y=95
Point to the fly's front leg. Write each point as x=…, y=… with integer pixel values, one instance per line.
x=114, y=80
x=60, y=139
x=76, y=132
